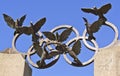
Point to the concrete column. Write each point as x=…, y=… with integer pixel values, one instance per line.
x=13, y=65
x=107, y=62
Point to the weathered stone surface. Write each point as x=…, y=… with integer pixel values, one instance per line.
x=107, y=62
x=13, y=65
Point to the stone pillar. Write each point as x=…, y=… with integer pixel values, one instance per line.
x=107, y=61
x=13, y=65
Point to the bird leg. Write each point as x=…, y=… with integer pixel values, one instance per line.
x=91, y=37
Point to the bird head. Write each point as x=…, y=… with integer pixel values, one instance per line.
x=17, y=23
x=95, y=8
x=31, y=24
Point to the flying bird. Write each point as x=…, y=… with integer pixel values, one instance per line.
x=98, y=11
x=43, y=54
x=72, y=52
x=34, y=28
x=12, y=23
x=74, y=56
x=93, y=28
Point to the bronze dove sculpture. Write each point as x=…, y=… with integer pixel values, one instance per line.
x=93, y=28
x=14, y=24
x=34, y=28
x=98, y=11
x=72, y=52
x=43, y=54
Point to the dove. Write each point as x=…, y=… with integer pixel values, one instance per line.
x=43, y=54
x=74, y=56
x=12, y=23
x=93, y=28
x=34, y=28
x=98, y=11
x=72, y=52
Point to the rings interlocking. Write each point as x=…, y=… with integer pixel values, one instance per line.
x=83, y=38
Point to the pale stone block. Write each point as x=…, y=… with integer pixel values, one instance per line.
x=13, y=65
x=107, y=61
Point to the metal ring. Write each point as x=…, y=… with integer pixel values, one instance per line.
x=84, y=63
x=115, y=38
x=65, y=26
x=15, y=39
x=31, y=51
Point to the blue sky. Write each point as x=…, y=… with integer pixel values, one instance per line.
x=57, y=13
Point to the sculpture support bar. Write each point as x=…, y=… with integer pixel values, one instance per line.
x=13, y=65
x=107, y=61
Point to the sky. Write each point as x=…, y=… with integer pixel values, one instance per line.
x=57, y=12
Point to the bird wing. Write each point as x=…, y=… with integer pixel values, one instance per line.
x=105, y=8
x=89, y=10
x=39, y=24
x=22, y=20
x=76, y=47
x=38, y=49
x=9, y=20
x=49, y=35
x=96, y=26
x=65, y=34
x=72, y=54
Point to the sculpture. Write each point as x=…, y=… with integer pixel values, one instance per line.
x=23, y=29
x=93, y=28
x=51, y=44
x=98, y=11
x=12, y=23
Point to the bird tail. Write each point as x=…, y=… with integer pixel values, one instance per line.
x=85, y=19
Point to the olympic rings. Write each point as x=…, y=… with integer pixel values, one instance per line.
x=96, y=48
x=30, y=52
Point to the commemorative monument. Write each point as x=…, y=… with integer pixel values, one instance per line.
x=49, y=45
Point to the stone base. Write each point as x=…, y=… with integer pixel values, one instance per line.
x=14, y=65
x=107, y=62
